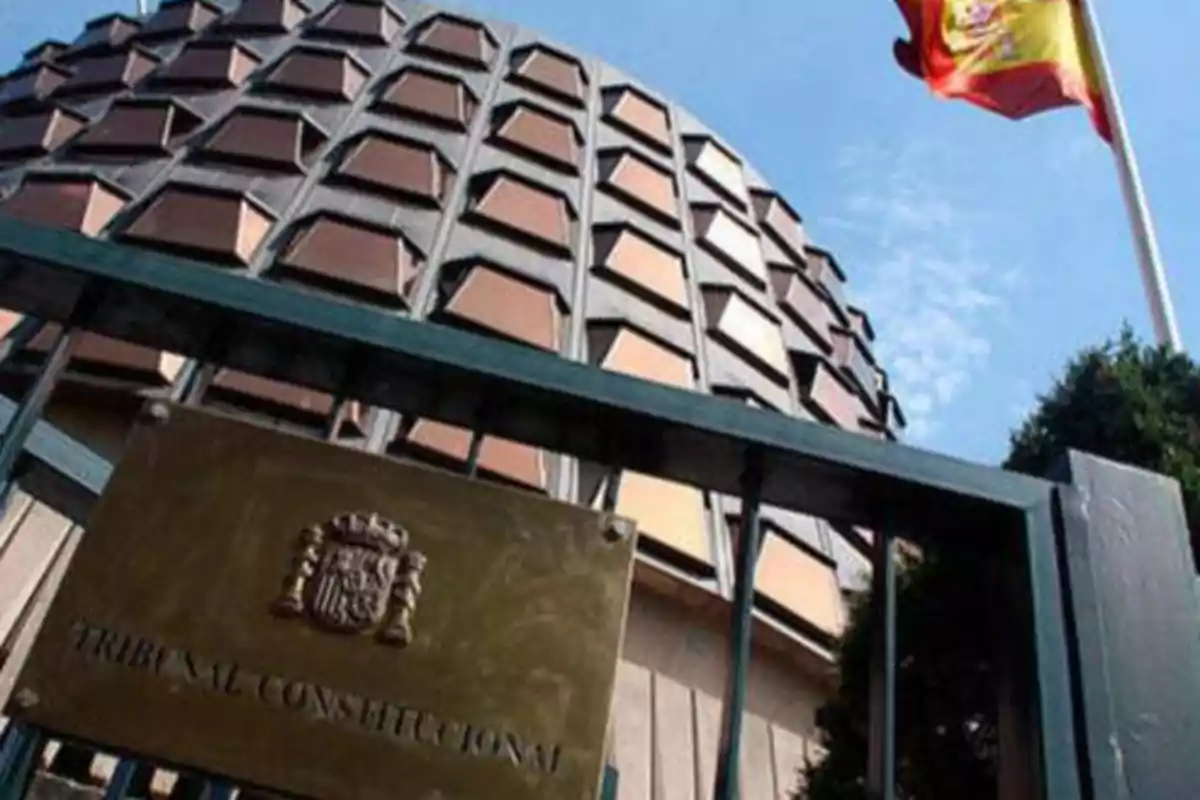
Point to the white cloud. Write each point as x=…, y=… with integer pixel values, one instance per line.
x=911, y=233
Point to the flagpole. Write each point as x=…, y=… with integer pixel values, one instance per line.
x=1162, y=312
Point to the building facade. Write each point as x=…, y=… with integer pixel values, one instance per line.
x=468, y=173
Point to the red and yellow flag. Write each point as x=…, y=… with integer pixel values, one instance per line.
x=1013, y=57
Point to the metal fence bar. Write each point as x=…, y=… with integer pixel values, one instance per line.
x=333, y=422
x=10, y=741
x=478, y=431
x=590, y=414
x=472, y=466
x=183, y=381
x=1053, y=707
x=29, y=411
x=18, y=759
x=740, y=626
x=216, y=789
x=881, y=723
x=122, y=778
x=608, y=789
x=21, y=336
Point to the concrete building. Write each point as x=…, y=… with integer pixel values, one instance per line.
x=472, y=174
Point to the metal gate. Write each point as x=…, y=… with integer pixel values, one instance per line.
x=1101, y=695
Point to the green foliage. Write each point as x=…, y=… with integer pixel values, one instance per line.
x=1121, y=400
x=1127, y=402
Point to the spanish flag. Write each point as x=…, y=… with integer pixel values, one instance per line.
x=1013, y=57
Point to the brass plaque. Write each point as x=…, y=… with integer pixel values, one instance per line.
x=303, y=617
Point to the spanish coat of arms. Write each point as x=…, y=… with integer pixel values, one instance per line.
x=355, y=573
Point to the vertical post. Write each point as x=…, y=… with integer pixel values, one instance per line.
x=881, y=753
x=21, y=336
x=19, y=752
x=118, y=785
x=1154, y=279
x=1048, y=678
x=608, y=790
x=473, y=453
x=741, y=623
x=216, y=789
x=481, y=418
x=334, y=421
x=15, y=435
x=1129, y=585
x=182, y=386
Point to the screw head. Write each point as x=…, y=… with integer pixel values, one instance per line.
x=158, y=412
x=25, y=698
x=618, y=529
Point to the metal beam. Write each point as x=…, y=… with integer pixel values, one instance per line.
x=881, y=720
x=419, y=368
x=14, y=435
x=727, y=785
x=59, y=470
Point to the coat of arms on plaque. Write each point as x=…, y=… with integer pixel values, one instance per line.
x=354, y=573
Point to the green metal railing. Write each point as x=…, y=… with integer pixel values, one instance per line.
x=418, y=368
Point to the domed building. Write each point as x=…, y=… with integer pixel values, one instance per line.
x=470, y=174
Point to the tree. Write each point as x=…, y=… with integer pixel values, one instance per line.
x=1122, y=400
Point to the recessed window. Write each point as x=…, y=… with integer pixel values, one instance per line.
x=108, y=73
x=498, y=302
x=208, y=66
x=825, y=271
x=550, y=72
x=265, y=139
x=856, y=362
x=103, y=33
x=397, y=166
x=635, y=113
x=458, y=40
x=511, y=462
x=673, y=514
x=781, y=223
x=266, y=17
x=717, y=167
x=81, y=204
x=860, y=323
x=623, y=349
x=288, y=401
x=46, y=50
x=139, y=127
x=539, y=135
x=223, y=225
x=746, y=330
x=828, y=395
x=32, y=84
x=36, y=134
x=804, y=304
x=516, y=206
x=730, y=241
x=381, y=269
x=102, y=357
x=178, y=18
x=319, y=74
x=368, y=22
x=638, y=262
x=429, y=97
x=800, y=583
x=640, y=183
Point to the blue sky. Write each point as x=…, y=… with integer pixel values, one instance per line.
x=986, y=251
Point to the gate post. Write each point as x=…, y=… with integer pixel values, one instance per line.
x=1133, y=630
